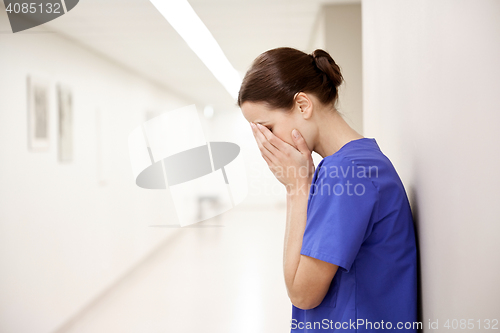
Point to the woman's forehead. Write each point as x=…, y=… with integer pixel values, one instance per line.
x=256, y=112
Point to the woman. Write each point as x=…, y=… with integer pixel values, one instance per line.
x=349, y=251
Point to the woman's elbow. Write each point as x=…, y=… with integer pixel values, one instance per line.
x=305, y=302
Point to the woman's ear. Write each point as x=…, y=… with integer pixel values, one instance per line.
x=304, y=105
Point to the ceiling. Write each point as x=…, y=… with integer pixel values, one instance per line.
x=134, y=34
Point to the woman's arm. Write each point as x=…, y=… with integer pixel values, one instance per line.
x=307, y=279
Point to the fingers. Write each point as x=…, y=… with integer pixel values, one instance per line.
x=270, y=164
x=271, y=138
x=300, y=142
x=267, y=149
x=264, y=140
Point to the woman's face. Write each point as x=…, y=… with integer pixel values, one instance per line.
x=280, y=122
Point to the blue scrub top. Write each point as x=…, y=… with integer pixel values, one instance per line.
x=359, y=218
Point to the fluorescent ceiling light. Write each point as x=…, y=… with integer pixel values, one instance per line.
x=183, y=18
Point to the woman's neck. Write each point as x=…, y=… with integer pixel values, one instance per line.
x=333, y=133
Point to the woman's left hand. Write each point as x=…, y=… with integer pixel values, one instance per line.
x=293, y=167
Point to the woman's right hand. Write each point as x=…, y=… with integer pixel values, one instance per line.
x=293, y=167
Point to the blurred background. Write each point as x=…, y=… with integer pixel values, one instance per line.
x=83, y=249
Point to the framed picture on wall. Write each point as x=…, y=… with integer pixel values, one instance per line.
x=38, y=114
x=65, y=123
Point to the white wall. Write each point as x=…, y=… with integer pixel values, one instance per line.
x=431, y=79
x=337, y=30
x=64, y=236
x=343, y=42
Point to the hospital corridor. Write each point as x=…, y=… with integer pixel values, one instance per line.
x=135, y=197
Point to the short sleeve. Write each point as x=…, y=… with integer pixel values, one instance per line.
x=340, y=212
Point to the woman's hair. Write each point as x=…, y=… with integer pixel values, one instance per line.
x=278, y=74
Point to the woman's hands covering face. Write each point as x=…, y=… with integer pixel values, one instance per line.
x=293, y=167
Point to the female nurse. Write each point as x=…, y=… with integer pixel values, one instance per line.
x=349, y=251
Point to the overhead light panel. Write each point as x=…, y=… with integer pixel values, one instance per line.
x=184, y=20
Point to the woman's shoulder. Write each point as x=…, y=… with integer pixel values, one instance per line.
x=346, y=169
x=361, y=160
x=361, y=153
